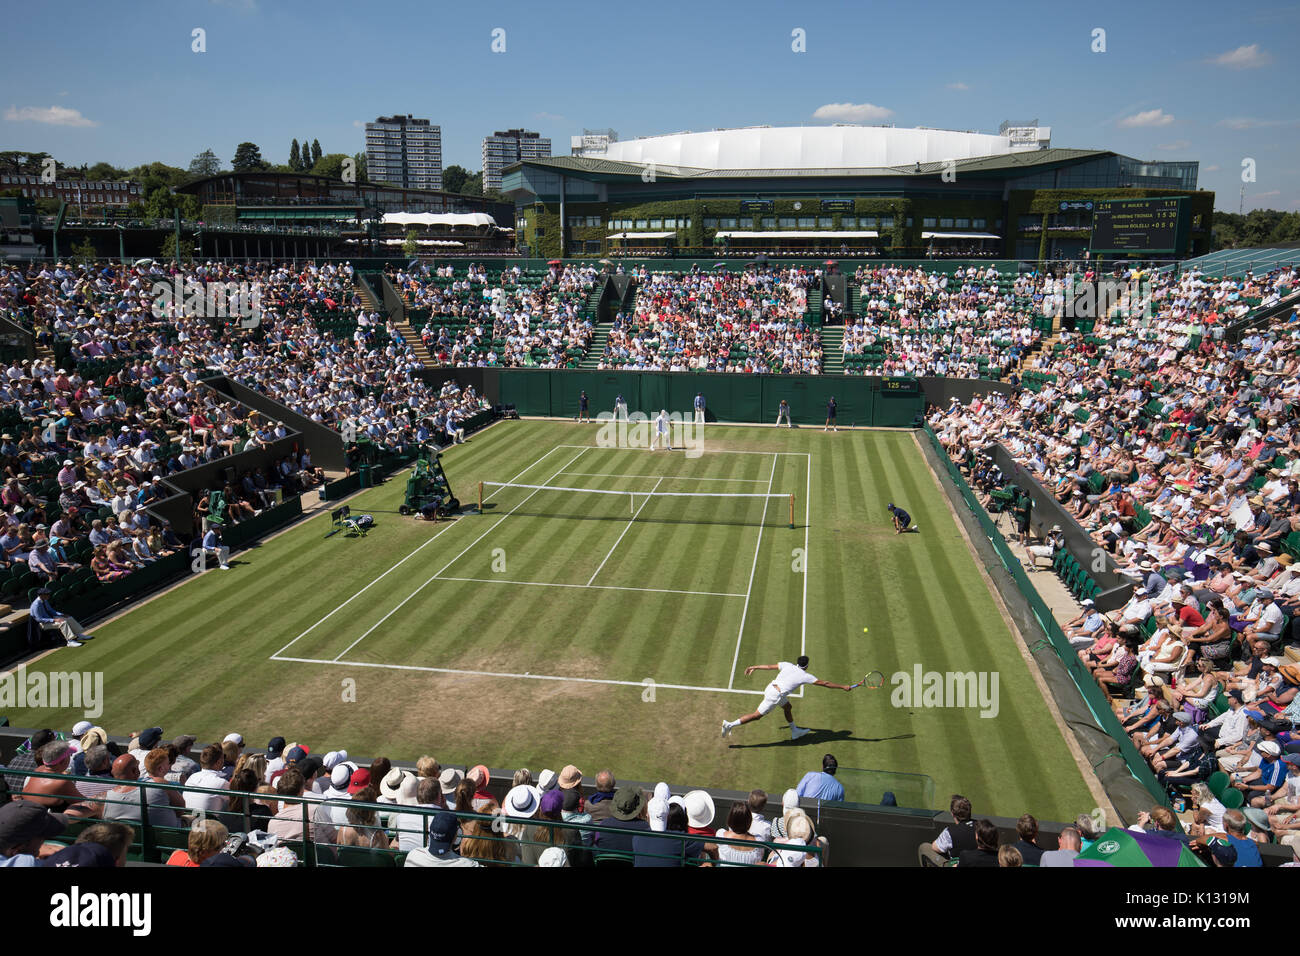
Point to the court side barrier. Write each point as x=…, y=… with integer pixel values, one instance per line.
x=1124, y=774
x=729, y=397
x=503, y=839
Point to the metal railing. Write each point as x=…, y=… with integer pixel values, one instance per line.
x=153, y=840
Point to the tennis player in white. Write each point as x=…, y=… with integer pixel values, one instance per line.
x=661, y=431
x=790, y=677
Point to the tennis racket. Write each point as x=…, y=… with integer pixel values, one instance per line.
x=875, y=680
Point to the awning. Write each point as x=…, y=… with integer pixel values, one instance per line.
x=641, y=235
x=438, y=219
x=805, y=234
x=959, y=235
x=423, y=242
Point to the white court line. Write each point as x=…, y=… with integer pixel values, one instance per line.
x=452, y=561
x=567, y=680
x=745, y=610
x=625, y=530
x=391, y=570
x=807, y=525
x=594, y=587
x=597, y=474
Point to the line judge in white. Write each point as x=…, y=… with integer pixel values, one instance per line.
x=789, y=678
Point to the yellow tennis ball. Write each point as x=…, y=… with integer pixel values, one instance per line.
x=864, y=630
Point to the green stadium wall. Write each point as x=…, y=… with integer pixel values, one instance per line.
x=730, y=398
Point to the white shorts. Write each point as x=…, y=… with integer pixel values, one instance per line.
x=772, y=699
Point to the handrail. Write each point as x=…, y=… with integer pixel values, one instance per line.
x=498, y=823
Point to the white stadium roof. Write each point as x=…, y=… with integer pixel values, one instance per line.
x=816, y=147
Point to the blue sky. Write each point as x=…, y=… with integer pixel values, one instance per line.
x=1204, y=81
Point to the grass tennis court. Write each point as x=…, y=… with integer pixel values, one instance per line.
x=608, y=629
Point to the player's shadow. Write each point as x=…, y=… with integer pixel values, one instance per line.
x=823, y=737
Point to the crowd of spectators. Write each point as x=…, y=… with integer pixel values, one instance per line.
x=918, y=322
x=750, y=321
x=512, y=321
x=276, y=798
x=1178, y=451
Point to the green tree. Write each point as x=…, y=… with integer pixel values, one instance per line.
x=453, y=178
x=411, y=247
x=362, y=176
x=83, y=252
x=248, y=159
x=331, y=165
x=204, y=164
x=315, y=151
x=473, y=186
x=23, y=161
x=104, y=171
x=172, y=251
x=295, y=158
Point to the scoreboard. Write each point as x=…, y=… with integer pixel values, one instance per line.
x=1140, y=225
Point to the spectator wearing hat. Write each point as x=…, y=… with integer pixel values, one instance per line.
x=1263, y=781
x=275, y=761
x=548, y=833
x=699, y=813
x=1084, y=628
x=409, y=827
x=46, y=618
x=654, y=850
x=1230, y=726
x=24, y=828
x=627, y=817
x=144, y=741
x=442, y=834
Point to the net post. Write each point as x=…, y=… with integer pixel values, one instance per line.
x=792, y=512
x=480, y=497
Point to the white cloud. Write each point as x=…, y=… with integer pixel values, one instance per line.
x=1244, y=58
x=1174, y=146
x=359, y=124
x=49, y=115
x=1147, y=118
x=1210, y=169
x=1271, y=192
x=548, y=116
x=958, y=86
x=852, y=112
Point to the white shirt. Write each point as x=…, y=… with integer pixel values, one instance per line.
x=791, y=677
x=206, y=801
